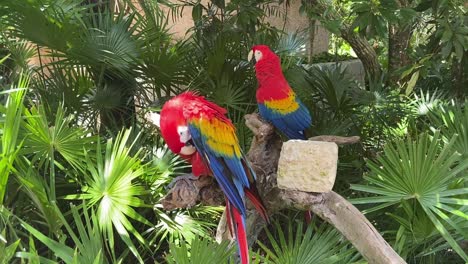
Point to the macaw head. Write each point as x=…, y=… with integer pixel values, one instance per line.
x=262, y=53
x=267, y=64
x=174, y=127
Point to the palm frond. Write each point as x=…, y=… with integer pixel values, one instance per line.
x=423, y=103
x=335, y=87
x=112, y=187
x=202, y=251
x=37, y=190
x=10, y=123
x=47, y=139
x=60, y=83
x=87, y=243
x=452, y=120
x=324, y=245
x=424, y=170
x=53, y=24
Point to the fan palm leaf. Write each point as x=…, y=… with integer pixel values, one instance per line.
x=424, y=170
x=37, y=190
x=111, y=187
x=202, y=251
x=46, y=139
x=87, y=244
x=452, y=120
x=324, y=245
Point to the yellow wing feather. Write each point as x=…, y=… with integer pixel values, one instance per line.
x=220, y=136
x=284, y=106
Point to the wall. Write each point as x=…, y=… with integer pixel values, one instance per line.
x=292, y=22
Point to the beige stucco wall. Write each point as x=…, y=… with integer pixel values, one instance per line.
x=294, y=21
x=291, y=22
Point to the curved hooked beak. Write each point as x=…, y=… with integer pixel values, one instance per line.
x=250, y=56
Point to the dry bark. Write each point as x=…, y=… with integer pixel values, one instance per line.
x=331, y=207
x=364, y=51
x=399, y=36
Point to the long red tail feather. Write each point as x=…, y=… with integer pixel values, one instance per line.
x=253, y=196
x=238, y=223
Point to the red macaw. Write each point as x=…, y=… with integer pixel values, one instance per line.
x=277, y=102
x=199, y=131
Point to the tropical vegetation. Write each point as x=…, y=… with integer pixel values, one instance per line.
x=82, y=171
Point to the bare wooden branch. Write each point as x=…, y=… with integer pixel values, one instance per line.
x=331, y=207
x=187, y=190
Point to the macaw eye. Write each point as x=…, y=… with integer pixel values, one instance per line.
x=258, y=55
x=184, y=134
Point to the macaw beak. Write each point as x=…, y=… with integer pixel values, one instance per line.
x=250, y=56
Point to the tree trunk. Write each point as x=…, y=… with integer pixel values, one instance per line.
x=331, y=207
x=312, y=31
x=398, y=43
x=360, y=45
x=365, y=53
x=399, y=36
x=459, y=72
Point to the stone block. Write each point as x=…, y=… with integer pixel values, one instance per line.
x=308, y=166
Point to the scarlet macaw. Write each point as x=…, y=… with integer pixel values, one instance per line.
x=199, y=131
x=277, y=102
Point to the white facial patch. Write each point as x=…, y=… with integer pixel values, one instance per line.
x=258, y=55
x=184, y=134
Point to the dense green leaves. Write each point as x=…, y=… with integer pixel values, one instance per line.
x=112, y=188
x=89, y=247
x=425, y=170
x=452, y=119
x=201, y=251
x=77, y=132
x=10, y=124
x=293, y=246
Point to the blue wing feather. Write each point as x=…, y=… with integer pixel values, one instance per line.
x=228, y=171
x=292, y=124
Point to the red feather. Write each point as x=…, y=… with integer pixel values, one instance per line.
x=199, y=168
x=190, y=110
x=237, y=221
x=272, y=83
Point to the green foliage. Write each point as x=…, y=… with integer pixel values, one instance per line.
x=46, y=139
x=111, y=186
x=452, y=120
x=8, y=251
x=316, y=245
x=201, y=251
x=89, y=247
x=73, y=130
x=11, y=122
x=426, y=171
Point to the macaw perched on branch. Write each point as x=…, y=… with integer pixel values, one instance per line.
x=199, y=131
x=277, y=102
